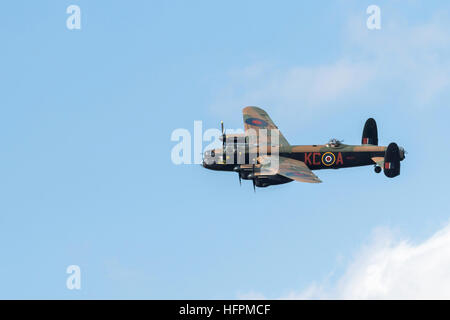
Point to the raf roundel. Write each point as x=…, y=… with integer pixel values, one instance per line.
x=256, y=122
x=328, y=159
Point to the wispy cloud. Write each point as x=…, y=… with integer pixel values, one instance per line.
x=408, y=63
x=387, y=268
x=297, y=87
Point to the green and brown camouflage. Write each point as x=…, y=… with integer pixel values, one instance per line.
x=245, y=154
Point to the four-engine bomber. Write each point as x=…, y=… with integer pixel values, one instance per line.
x=252, y=154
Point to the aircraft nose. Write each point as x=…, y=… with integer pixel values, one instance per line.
x=206, y=159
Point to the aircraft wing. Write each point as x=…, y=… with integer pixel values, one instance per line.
x=289, y=168
x=256, y=118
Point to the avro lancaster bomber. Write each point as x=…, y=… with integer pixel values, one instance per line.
x=252, y=153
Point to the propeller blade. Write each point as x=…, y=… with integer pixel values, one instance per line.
x=223, y=136
x=253, y=177
x=238, y=170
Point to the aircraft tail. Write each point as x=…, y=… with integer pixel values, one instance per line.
x=370, y=133
x=392, y=161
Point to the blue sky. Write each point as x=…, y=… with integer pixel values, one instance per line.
x=85, y=126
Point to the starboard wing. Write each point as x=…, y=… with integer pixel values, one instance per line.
x=256, y=118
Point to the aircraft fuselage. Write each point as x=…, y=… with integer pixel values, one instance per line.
x=316, y=157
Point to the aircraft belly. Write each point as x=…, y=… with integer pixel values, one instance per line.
x=265, y=181
x=222, y=167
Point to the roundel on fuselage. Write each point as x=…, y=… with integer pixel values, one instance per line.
x=328, y=158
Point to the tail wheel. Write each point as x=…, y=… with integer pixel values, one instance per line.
x=377, y=169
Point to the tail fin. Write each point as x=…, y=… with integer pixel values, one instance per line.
x=370, y=133
x=392, y=161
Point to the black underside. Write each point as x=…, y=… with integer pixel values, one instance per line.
x=265, y=181
x=312, y=159
x=342, y=159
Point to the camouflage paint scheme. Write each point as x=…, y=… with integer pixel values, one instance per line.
x=295, y=161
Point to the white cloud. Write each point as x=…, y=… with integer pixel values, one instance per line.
x=390, y=269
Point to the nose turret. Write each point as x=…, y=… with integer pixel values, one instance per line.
x=209, y=158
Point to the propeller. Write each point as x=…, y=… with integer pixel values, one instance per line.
x=224, y=136
x=203, y=159
x=238, y=170
x=254, y=177
x=223, y=141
